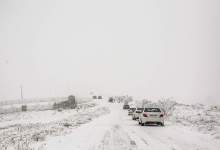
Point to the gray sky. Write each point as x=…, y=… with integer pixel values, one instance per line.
x=147, y=48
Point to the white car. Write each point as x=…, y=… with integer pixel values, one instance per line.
x=137, y=113
x=152, y=115
x=131, y=110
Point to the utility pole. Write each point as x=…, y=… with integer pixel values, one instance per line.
x=21, y=93
x=23, y=107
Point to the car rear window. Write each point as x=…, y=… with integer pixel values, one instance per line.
x=133, y=109
x=152, y=110
x=140, y=109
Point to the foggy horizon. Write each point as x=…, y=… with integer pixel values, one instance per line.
x=146, y=49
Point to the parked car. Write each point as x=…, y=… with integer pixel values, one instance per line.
x=126, y=106
x=131, y=110
x=151, y=115
x=137, y=113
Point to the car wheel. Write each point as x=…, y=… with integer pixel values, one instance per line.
x=142, y=124
x=139, y=121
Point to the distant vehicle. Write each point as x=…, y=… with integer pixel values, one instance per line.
x=111, y=100
x=137, y=113
x=99, y=97
x=131, y=110
x=94, y=97
x=151, y=115
x=126, y=106
x=68, y=104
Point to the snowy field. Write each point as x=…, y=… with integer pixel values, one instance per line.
x=34, y=104
x=205, y=119
x=106, y=126
x=24, y=129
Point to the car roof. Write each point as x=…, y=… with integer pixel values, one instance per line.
x=152, y=107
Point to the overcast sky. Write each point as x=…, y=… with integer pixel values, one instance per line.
x=144, y=48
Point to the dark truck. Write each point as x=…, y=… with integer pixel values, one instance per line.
x=70, y=103
x=126, y=106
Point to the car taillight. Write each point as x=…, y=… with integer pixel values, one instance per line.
x=145, y=115
x=161, y=115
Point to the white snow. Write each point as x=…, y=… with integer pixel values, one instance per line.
x=203, y=118
x=24, y=129
x=35, y=104
x=116, y=131
x=107, y=126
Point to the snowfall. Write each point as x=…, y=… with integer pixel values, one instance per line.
x=99, y=125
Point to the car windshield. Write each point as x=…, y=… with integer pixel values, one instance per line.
x=152, y=110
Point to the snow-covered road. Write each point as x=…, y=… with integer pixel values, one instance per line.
x=117, y=131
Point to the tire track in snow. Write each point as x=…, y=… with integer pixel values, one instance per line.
x=170, y=137
x=152, y=142
x=143, y=138
x=159, y=141
x=117, y=139
x=144, y=141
